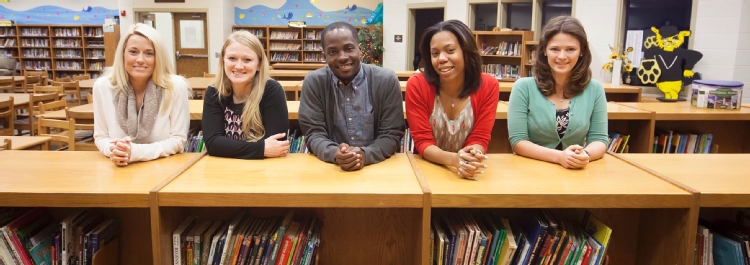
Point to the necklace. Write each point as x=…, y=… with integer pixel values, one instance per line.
x=453, y=105
x=665, y=63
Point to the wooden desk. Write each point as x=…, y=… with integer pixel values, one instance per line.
x=622, y=93
x=380, y=205
x=27, y=142
x=196, y=109
x=292, y=75
x=404, y=75
x=292, y=89
x=650, y=216
x=88, y=84
x=297, y=66
x=720, y=178
x=20, y=100
x=81, y=179
x=729, y=127
x=61, y=115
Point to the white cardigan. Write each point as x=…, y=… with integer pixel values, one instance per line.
x=170, y=129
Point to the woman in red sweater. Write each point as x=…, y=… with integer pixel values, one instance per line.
x=451, y=107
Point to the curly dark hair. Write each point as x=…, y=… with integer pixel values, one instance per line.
x=580, y=75
x=472, y=59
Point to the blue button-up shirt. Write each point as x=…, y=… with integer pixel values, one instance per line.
x=354, y=117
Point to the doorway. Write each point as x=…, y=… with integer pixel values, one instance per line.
x=420, y=18
x=185, y=37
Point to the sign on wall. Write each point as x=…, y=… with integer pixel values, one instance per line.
x=311, y=12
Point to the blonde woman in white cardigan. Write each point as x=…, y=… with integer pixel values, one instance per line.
x=140, y=106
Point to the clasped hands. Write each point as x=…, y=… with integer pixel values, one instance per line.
x=350, y=158
x=470, y=162
x=120, y=151
x=573, y=157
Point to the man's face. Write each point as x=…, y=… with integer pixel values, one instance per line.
x=342, y=53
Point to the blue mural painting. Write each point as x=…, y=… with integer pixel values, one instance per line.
x=58, y=15
x=300, y=10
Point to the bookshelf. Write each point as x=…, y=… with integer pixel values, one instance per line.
x=729, y=127
x=288, y=44
x=61, y=50
x=368, y=215
x=530, y=55
x=504, y=53
x=637, y=123
x=63, y=182
x=653, y=221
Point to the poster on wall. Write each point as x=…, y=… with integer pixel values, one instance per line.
x=49, y=14
x=191, y=34
x=312, y=12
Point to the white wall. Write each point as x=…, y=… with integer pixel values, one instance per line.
x=742, y=64
x=599, y=20
x=396, y=14
x=165, y=27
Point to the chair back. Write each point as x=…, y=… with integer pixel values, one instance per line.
x=89, y=98
x=84, y=120
x=7, y=117
x=7, y=84
x=58, y=130
x=63, y=79
x=71, y=88
x=57, y=90
x=45, y=107
x=6, y=145
x=81, y=77
x=36, y=78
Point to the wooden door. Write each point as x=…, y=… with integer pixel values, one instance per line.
x=191, y=43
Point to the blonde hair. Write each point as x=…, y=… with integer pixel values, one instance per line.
x=252, y=123
x=163, y=71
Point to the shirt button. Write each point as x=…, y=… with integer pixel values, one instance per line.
x=350, y=119
x=347, y=99
x=352, y=138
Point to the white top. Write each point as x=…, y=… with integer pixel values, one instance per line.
x=170, y=129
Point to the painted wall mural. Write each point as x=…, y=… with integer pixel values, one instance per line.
x=302, y=10
x=58, y=15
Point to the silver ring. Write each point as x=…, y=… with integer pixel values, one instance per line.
x=460, y=162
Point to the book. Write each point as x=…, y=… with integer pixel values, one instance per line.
x=278, y=236
x=230, y=230
x=207, y=238
x=597, y=229
x=178, y=247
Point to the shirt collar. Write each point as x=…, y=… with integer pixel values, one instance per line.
x=357, y=79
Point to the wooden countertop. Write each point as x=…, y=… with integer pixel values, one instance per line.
x=81, y=179
x=722, y=179
x=619, y=112
x=513, y=181
x=23, y=142
x=683, y=111
x=298, y=180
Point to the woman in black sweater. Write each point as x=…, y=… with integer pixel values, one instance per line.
x=245, y=114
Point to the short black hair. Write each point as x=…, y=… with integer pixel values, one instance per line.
x=472, y=59
x=338, y=25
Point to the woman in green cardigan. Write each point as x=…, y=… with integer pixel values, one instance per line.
x=560, y=114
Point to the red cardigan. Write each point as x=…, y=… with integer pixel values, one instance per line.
x=420, y=97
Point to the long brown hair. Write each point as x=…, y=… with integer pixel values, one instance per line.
x=580, y=75
x=472, y=59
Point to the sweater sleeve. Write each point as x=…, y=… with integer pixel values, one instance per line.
x=518, y=112
x=418, y=109
x=102, y=93
x=312, y=119
x=484, y=114
x=391, y=120
x=599, y=120
x=275, y=120
x=179, y=123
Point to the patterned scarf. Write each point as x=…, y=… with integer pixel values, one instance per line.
x=138, y=125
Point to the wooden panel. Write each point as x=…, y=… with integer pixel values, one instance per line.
x=641, y=134
x=729, y=135
x=667, y=236
x=80, y=179
x=111, y=40
x=349, y=235
x=622, y=93
x=683, y=111
x=499, y=143
x=625, y=224
x=297, y=180
x=513, y=181
x=720, y=178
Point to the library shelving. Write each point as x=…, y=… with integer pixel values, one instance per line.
x=637, y=123
x=653, y=220
x=63, y=182
x=504, y=53
x=371, y=216
x=530, y=55
x=499, y=138
x=729, y=127
x=61, y=50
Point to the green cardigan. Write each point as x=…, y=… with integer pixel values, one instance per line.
x=532, y=117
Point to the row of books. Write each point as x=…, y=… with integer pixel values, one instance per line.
x=35, y=42
x=33, y=32
x=67, y=32
x=69, y=53
x=93, y=32
x=286, y=35
x=37, y=64
x=285, y=46
x=9, y=42
x=31, y=237
x=723, y=242
x=532, y=55
x=284, y=56
x=314, y=57
x=502, y=70
x=407, y=142
x=67, y=43
x=532, y=237
x=313, y=46
x=247, y=240
x=297, y=142
x=313, y=35
x=36, y=53
x=69, y=65
x=674, y=142
x=504, y=48
x=5, y=31
x=618, y=142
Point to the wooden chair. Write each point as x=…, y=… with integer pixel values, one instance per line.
x=58, y=130
x=7, y=117
x=89, y=98
x=83, y=123
x=29, y=123
x=57, y=90
x=208, y=75
x=72, y=89
x=81, y=77
x=52, y=106
x=7, y=85
x=62, y=79
x=6, y=145
x=35, y=78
